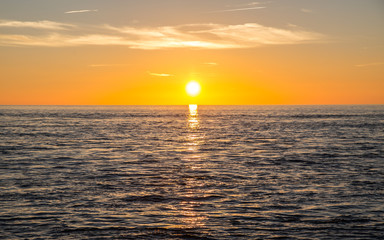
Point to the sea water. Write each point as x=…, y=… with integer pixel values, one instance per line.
x=170, y=172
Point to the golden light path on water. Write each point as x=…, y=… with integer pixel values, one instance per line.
x=194, y=137
x=190, y=216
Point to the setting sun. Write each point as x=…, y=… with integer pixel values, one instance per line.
x=193, y=88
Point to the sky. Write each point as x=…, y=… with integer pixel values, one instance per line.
x=144, y=52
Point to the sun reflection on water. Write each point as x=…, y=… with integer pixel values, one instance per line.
x=194, y=136
x=192, y=109
x=189, y=216
x=193, y=121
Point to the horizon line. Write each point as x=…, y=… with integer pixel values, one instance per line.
x=335, y=104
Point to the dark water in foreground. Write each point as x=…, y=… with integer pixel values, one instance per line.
x=163, y=172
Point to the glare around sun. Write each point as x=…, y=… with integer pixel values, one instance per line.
x=193, y=88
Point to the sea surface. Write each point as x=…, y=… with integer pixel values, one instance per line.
x=174, y=172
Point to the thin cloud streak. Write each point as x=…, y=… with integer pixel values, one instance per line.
x=160, y=74
x=82, y=11
x=38, y=25
x=211, y=63
x=203, y=36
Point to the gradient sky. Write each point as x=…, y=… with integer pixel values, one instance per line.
x=122, y=52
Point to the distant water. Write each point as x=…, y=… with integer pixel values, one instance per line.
x=167, y=172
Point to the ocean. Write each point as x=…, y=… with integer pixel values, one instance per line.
x=176, y=172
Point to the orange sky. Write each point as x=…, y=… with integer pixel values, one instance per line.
x=241, y=52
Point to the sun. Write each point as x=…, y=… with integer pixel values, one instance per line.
x=193, y=88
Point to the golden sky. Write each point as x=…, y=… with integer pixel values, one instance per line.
x=135, y=52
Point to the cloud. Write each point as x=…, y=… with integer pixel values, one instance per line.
x=213, y=36
x=82, y=11
x=211, y=63
x=39, y=24
x=370, y=64
x=201, y=36
x=160, y=74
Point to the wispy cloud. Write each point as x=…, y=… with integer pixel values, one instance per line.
x=204, y=36
x=242, y=7
x=370, y=64
x=38, y=24
x=82, y=11
x=214, y=36
x=160, y=74
x=211, y=63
